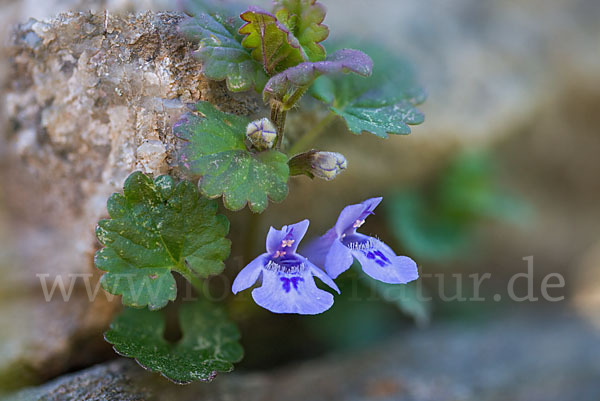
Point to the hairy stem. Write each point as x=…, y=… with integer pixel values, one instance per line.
x=289, y=102
x=278, y=115
x=307, y=139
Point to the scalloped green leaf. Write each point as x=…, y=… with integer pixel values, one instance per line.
x=383, y=104
x=209, y=343
x=215, y=150
x=221, y=52
x=157, y=227
x=304, y=18
x=270, y=42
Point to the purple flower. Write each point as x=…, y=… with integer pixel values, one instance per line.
x=288, y=285
x=337, y=249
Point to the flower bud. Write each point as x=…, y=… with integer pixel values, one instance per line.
x=325, y=165
x=261, y=133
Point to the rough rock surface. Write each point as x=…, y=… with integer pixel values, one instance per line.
x=89, y=99
x=518, y=358
x=112, y=381
x=93, y=97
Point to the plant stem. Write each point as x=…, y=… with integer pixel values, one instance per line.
x=307, y=139
x=291, y=101
x=278, y=115
x=192, y=278
x=281, y=127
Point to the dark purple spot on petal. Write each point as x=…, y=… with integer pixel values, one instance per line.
x=378, y=257
x=382, y=256
x=295, y=281
x=286, y=283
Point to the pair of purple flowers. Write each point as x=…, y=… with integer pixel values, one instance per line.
x=288, y=284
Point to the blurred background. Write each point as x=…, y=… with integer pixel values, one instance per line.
x=500, y=186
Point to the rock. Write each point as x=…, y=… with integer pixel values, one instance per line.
x=39, y=339
x=527, y=357
x=88, y=98
x=488, y=66
x=152, y=157
x=112, y=381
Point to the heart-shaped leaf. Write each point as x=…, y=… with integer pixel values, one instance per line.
x=302, y=76
x=209, y=343
x=221, y=52
x=383, y=104
x=270, y=42
x=215, y=150
x=304, y=18
x=157, y=227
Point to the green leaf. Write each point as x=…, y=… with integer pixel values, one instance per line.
x=438, y=223
x=304, y=19
x=469, y=190
x=405, y=296
x=157, y=227
x=209, y=343
x=271, y=43
x=221, y=52
x=425, y=231
x=215, y=149
x=383, y=104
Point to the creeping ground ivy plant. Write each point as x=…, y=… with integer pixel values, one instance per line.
x=161, y=227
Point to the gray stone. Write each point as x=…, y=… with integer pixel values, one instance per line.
x=549, y=357
x=112, y=381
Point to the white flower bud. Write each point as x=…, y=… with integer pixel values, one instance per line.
x=327, y=165
x=262, y=134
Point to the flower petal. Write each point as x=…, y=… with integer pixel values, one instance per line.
x=371, y=204
x=323, y=276
x=338, y=260
x=352, y=213
x=316, y=251
x=249, y=274
x=381, y=263
x=347, y=218
x=291, y=293
x=294, y=232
